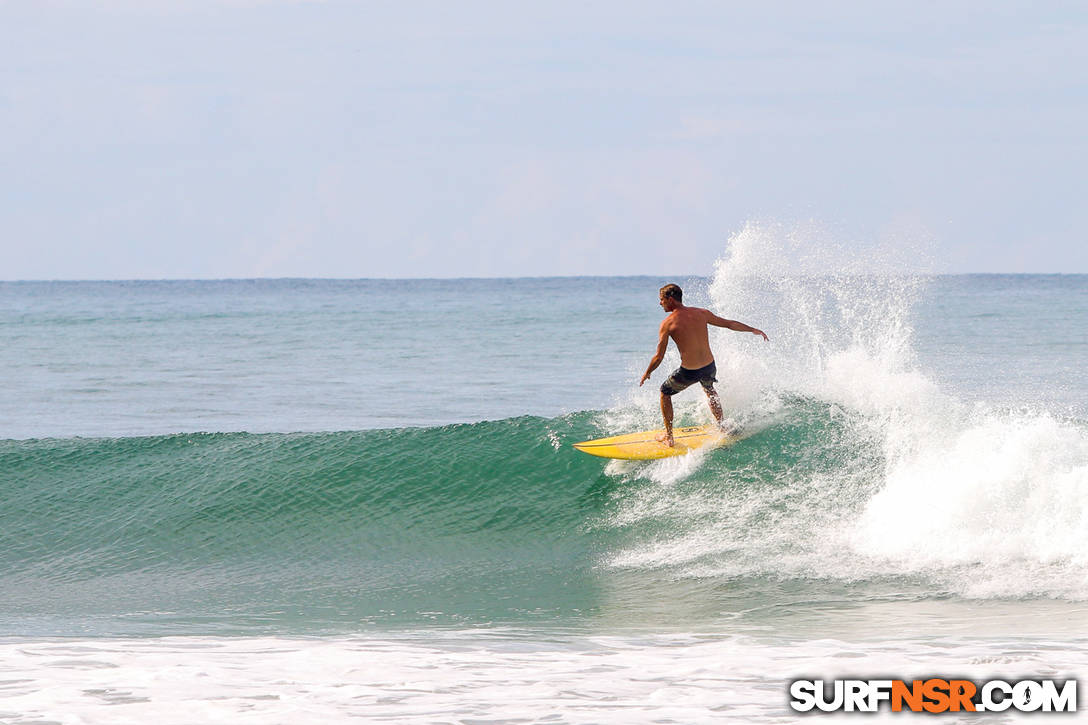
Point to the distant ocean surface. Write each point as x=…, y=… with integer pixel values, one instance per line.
x=316, y=500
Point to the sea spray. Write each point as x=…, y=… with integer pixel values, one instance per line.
x=502, y=521
x=885, y=475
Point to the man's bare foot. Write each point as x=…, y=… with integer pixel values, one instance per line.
x=666, y=438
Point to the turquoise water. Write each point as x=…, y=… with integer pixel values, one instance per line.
x=302, y=533
x=391, y=460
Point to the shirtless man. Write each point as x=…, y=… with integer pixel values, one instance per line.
x=687, y=326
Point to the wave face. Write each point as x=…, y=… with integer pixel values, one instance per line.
x=881, y=470
x=326, y=526
x=503, y=521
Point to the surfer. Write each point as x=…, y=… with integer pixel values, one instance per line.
x=687, y=326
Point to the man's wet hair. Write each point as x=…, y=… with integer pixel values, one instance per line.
x=673, y=291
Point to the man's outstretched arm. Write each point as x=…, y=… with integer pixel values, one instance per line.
x=659, y=354
x=734, y=325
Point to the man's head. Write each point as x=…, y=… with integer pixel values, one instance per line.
x=671, y=297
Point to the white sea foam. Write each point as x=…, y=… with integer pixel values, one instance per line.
x=999, y=504
x=475, y=676
x=976, y=499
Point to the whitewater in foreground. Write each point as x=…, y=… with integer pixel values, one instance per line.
x=225, y=502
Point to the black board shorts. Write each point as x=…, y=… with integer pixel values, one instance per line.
x=684, y=378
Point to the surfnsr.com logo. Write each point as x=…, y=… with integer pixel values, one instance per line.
x=933, y=695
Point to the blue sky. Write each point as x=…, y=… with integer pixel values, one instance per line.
x=145, y=139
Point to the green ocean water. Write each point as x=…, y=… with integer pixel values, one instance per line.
x=480, y=523
x=315, y=500
x=492, y=523
x=235, y=530
x=327, y=457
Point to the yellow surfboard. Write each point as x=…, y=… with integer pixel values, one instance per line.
x=644, y=446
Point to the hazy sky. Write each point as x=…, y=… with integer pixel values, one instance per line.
x=150, y=139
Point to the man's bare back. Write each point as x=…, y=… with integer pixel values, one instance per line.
x=688, y=328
